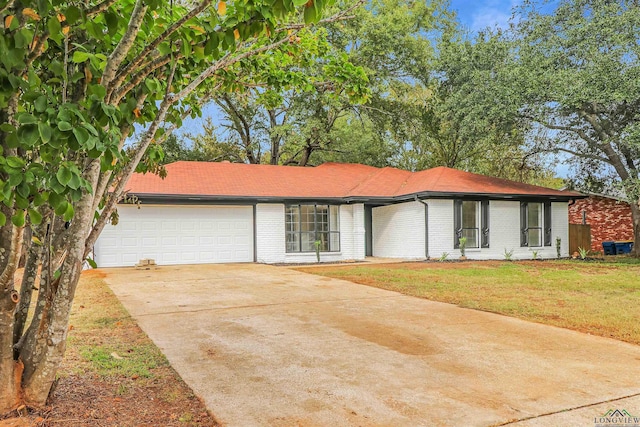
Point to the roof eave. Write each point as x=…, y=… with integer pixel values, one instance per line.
x=157, y=198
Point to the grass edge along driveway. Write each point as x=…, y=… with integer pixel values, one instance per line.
x=599, y=298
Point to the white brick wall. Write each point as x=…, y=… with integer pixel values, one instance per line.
x=504, y=231
x=398, y=231
x=441, y=228
x=271, y=243
x=270, y=237
x=560, y=226
x=358, y=231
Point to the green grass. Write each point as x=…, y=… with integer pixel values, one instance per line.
x=105, y=340
x=600, y=298
x=138, y=361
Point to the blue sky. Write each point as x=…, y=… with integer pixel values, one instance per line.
x=479, y=14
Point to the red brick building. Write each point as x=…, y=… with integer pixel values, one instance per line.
x=609, y=218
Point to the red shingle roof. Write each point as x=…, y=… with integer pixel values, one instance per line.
x=329, y=180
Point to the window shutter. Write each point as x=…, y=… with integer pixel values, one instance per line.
x=457, y=223
x=547, y=223
x=523, y=224
x=484, y=223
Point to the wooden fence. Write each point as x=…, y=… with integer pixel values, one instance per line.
x=579, y=237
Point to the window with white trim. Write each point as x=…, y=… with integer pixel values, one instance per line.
x=306, y=224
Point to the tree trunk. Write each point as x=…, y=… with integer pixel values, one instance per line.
x=27, y=287
x=45, y=341
x=10, y=371
x=635, y=216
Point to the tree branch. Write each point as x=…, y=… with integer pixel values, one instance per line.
x=124, y=46
x=139, y=78
x=99, y=8
x=340, y=16
x=122, y=74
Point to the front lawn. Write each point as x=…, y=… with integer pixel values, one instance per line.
x=599, y=298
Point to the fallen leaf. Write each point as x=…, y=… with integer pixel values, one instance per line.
x=116, y=356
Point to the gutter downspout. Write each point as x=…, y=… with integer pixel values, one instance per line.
x=426, y=225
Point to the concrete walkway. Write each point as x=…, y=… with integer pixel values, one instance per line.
x=270, y=346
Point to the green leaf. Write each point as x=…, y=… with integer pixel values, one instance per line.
x=61, y=208
x=26, y=118
x=112, y=22
x=14, y=179
x=64, y=175
x=3, y=219
x=64, y=126
x=18, y=219
x=68, y=213
x=72, y=14
x=38, y=199
x=23, y=190
x=28, y=134
x=310, y=15
x=54, y=29
x=79, y=56
x=45, y=132
x=92, y=263
x=56, y=68
x=81, y=135
x=6, y=127
x=35, y=216
x=21, y=202
x=41, y=104
x=15, y=162
x=299, y=3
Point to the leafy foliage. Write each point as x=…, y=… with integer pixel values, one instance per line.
x=76, y=79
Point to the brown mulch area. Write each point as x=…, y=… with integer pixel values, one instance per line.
x=89, y=401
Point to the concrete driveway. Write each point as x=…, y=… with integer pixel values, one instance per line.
x=270, y=346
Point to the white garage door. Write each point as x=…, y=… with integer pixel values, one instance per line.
x=177, y=235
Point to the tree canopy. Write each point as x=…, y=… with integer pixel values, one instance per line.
x=75, y=80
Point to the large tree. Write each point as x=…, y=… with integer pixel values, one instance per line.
x=574, y=74
x=75, y=78
x=391, y=41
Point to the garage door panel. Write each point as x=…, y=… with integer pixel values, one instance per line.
x=129, y=226
x=129, y=242
x=149, y=225
x=188, y=226
x=178, y=235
